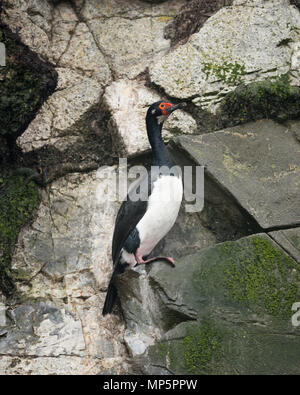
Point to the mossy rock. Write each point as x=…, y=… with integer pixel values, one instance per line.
x=253, y=273
x=289, y=240
x=235, y=302
x=261, y=276
x=197, y=351
x=18, y=200
x=230, y=73
x=271, y=98
x=25, y=83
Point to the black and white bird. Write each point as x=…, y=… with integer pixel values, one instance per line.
x=141, y=224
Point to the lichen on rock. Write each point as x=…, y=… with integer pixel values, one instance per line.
x=199, y=70
x=272, y=98
x=196, y=352
x=267, y=278
x=237, y=294
x=18, y=200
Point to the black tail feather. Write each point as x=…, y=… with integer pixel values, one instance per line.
x=112, y=292
x=110, y=299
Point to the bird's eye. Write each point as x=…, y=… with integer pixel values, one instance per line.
x=162, y=106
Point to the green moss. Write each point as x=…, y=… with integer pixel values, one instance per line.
x=200, y=347
x=198, y=351
x=230, y=73
x=272, y=98
x=262, y=275
x=17, y=202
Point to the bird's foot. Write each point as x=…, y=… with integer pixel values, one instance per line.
x=140, y=261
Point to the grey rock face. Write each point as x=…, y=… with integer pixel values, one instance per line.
x=34, y=322
x=130, y=60
x=65, y=254
x=258, y=164
x=221, y=311
x=89, y=46
x=289, y=240
x=26, y=82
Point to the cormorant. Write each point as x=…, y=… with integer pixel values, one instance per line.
x=141, y=224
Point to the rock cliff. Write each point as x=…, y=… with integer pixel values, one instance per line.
x=79, y=76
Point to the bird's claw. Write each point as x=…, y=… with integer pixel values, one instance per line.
x=140, y=261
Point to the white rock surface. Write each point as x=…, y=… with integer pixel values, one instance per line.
x=127, y=102
x=74, y=96
x=86, y=43
x=247, y=39
x=137, y=343
x=62, y=365
x=127, y=8
x=131, y=45
x=130, y=33
x=66, y=255
x=34, y=29
x=83, y=54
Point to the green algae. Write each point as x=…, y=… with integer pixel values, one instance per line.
x=273, y=98
x=200, y=347
x=261, y=275
x=18, y=200
x=197, y=352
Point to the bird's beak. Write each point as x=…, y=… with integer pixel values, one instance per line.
x=170, y=109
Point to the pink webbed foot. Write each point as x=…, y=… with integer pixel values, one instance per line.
x=140, y=261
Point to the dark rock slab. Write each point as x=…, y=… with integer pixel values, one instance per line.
x=289, y=240
x=258, y=164
x=225, y=309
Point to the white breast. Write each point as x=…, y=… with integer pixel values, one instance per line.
x=163, y=207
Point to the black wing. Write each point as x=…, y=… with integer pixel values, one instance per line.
x=129, y=215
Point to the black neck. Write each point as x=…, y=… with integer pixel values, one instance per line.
x=161, y=156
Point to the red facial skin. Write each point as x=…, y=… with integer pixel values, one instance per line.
x=163, y=107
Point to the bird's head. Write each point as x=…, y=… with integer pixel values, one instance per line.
x=162, y=109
